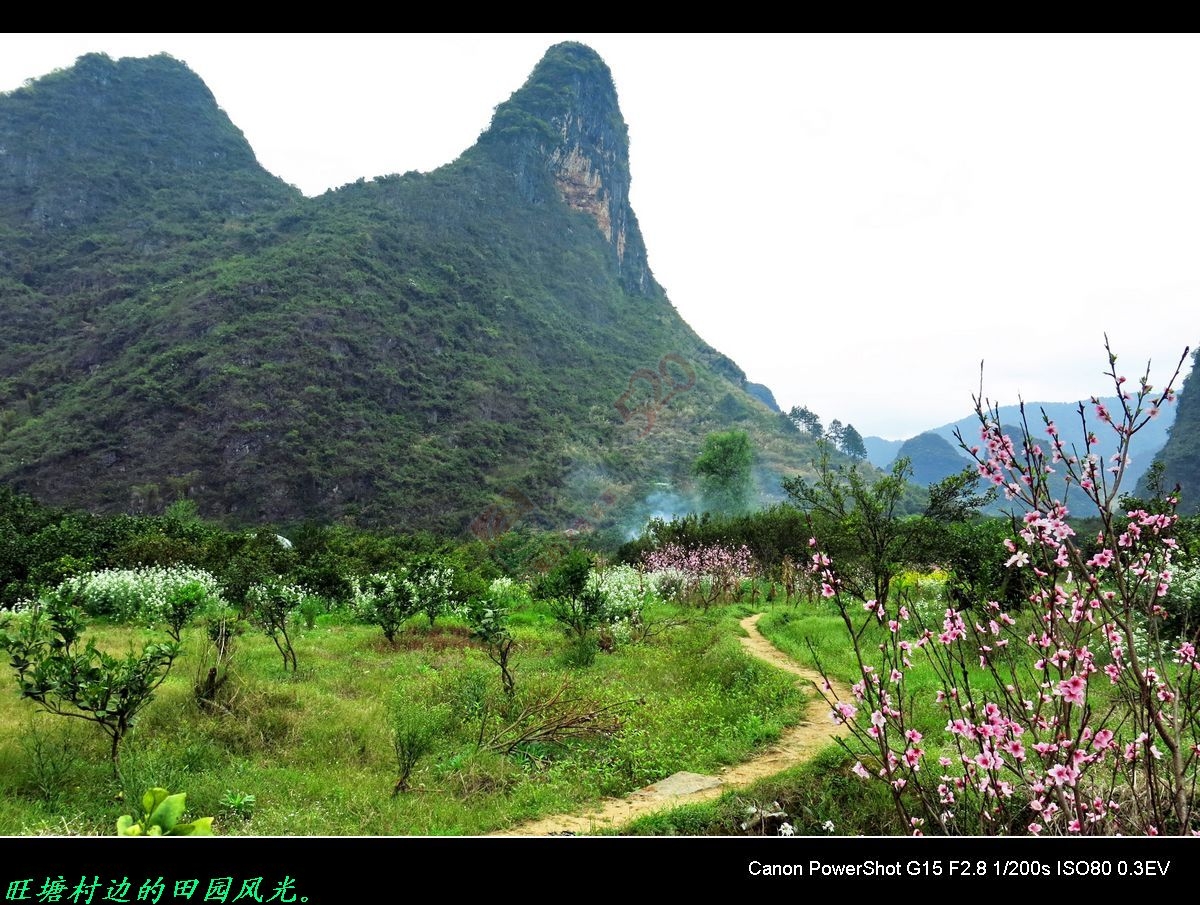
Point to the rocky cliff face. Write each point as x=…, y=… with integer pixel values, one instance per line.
x=564, y=133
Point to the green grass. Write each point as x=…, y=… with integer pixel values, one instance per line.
x=315, y=748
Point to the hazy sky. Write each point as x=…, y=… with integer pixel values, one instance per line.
x=857, y=220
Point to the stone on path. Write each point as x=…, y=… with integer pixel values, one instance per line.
x=682, y=783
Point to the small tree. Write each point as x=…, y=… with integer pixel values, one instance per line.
x=576, y=606
x=271, y=605
x=183, y=603
x=488, y=614
x=385, y=599
x=860, y=522
x=87, y=684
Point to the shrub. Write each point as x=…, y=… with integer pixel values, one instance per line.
x=88, y=684
x=415, y=728
x=271, y=606
x=152, y=595
x=384, y=599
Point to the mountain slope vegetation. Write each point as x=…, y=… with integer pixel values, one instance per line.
x=409, y=350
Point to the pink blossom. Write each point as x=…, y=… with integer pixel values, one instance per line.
x=1102, y=740
x=1063, y=775
x=1020, y=558
x=860, y=770
x=1073, y=690
x=843, y=712
x=989, y=760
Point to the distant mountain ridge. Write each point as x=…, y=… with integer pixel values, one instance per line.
x=1143, y=447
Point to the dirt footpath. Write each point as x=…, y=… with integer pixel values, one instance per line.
x=794, y=746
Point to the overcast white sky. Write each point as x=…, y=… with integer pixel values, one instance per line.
x=857, y=220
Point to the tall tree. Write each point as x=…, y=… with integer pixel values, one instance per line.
x=852, y=443
x=835, y=432
x=806, y=420
x=723, y=467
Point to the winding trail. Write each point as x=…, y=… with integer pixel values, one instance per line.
x=795, y=745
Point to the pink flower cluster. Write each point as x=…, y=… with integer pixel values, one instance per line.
x=711, y=571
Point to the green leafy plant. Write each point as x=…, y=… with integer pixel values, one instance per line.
x=238, y=804
x=576, y=605
x=161, y=815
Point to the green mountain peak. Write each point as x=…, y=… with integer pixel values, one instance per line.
x=562, y=135
x=410, y=350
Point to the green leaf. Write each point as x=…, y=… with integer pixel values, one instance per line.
x=151, y=799
x=167, y=813
x=125, y=826
x=201, y=826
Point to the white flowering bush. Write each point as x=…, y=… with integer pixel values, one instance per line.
x=1184, y=597
x=434, y=586
x=511, y=594
x=385, y=599
x=625, y=592
x=668, y=583
x=148, y=594
x=505, y=587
